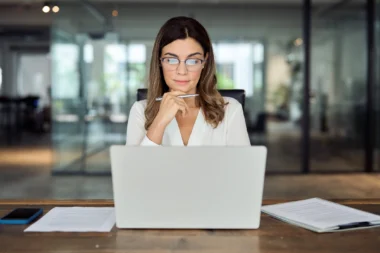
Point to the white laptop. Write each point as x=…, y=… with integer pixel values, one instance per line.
x=188, y=187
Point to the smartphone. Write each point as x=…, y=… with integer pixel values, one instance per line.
x=21, y=216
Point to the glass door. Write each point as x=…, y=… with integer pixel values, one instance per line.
x=67, y=106
x=338, y=87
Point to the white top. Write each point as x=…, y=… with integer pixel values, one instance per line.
x=232, y=131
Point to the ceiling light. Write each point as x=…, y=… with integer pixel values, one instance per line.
x=55, y=9
x=46, y=8
x=115, y=13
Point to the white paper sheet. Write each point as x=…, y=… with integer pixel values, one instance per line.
x=318, y=214
x=75, y=219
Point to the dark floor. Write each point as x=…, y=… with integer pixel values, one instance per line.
x=329, y=152
x=26, y=169
x=18, y=184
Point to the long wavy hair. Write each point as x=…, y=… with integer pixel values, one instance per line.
x=209, y=100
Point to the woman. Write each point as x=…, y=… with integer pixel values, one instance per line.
x=183, y=63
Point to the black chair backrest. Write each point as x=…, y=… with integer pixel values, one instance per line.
x=237, y=94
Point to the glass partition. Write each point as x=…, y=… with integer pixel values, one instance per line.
x=99, y=61
x=123, y=72
x=100, y=53
x=99, y=65
x=338, y=87
x=67, y=104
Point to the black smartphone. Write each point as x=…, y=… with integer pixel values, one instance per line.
x=21, y=216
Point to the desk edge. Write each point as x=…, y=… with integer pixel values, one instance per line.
x=109, y=202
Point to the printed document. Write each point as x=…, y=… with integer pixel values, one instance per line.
x=321, y=215
x=75, y=219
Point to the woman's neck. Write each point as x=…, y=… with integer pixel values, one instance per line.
x=191, y=102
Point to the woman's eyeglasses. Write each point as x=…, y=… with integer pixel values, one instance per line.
x=172, y=63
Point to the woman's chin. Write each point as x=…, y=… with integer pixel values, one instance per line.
x=183, y=89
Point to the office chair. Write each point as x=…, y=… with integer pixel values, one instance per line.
x=238, y=94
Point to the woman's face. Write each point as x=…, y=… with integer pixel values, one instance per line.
x=182, y=62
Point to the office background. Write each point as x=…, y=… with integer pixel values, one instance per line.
x=68, y=78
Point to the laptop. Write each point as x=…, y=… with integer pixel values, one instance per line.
x=188, y=187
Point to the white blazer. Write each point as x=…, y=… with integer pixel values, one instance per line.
x=232, y=131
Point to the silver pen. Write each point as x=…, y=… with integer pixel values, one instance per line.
x=181, y=96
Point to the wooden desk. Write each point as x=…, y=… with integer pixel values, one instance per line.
x=273, y=236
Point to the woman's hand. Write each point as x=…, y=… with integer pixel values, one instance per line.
x=170, y=105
